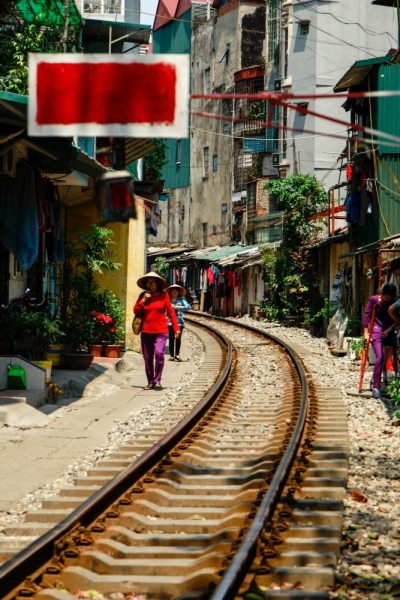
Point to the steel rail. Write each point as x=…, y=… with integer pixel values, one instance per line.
x=237, y=570
x=38, y=553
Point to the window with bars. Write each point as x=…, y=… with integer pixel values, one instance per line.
x=103, y=7
x=205, y=161
x=273, y=30
x=207, y=81
x=285, y=70
x=253, y=110
x=204, y=227
x=215, y=163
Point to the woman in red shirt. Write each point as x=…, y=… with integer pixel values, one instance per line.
x=153, y=306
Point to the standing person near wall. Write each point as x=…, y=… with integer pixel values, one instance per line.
x=382, y=330
x=153, y=305
x=179, y=304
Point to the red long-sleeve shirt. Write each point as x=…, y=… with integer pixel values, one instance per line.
x=153, y=315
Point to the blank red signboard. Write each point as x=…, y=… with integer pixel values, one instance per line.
x=112, y=95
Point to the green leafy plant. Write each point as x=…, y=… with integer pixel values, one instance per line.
x=356, y=345
x=396, y=414
x=109, y=305
x=393, y=391
x=288, y=273
x=353, y=326
x=263, y=304
x=30, y=333
x=43, y=35
x=160, y=266
x=88, y=255
x=154, y=162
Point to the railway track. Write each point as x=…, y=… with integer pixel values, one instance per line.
x=244, y=493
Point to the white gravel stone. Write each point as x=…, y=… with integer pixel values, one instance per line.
x=374, y=471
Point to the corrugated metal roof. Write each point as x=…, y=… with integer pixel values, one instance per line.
x=136, y=148
x=220, y=253
x=54, y=15
x=358, y=72
x=216, y=253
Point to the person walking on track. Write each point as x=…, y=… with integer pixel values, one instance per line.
x=382, y=330
x=153, y=305
x=179, y=304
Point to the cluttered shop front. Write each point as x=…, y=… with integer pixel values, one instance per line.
x=223, y=281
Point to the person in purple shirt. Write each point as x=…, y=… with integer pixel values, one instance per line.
x=382, y=331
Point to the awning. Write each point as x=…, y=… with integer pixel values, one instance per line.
x=216, y=253
x=99, y=31
x=48, y=14
x=136, y=148
x=13, y=124
x=358, y=72
x=334, y=239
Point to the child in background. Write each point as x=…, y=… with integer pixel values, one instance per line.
x=179, y=304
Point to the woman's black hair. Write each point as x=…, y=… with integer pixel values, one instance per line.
x=389, y=289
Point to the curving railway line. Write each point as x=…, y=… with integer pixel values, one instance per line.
x=238, y=492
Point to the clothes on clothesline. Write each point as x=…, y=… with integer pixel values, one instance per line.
x=29, y=207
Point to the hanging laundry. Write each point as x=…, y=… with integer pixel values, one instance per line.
x=19, y=231
x=54, y=237
x=349, y=171
x=230, y=278
x=155, y=217
x=368, y=200
x=210, y=275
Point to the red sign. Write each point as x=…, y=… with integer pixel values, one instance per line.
x=110, y=95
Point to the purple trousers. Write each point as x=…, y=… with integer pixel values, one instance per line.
x=153, y=346
x=379, y=344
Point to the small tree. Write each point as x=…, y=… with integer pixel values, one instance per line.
x=160, y=266
x=154, y=162
x=45, y=34
x=288, y=274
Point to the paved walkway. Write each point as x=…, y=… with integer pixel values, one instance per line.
x=74, y=427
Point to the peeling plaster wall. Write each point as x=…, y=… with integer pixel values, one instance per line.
x=209, y=42
x=175, y=218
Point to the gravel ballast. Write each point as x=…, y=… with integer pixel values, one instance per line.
x=369, y=565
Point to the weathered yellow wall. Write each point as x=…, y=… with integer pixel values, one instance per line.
x=130, y=248
x=136, y=258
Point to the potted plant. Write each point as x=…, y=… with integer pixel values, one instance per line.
x=30, y=333
x=262, y=307
x=355, y=347
x=110, y=321
x=88, y=255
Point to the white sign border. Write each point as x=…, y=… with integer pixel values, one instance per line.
x=178, y=129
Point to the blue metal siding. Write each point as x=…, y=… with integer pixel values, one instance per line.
x=174, y=38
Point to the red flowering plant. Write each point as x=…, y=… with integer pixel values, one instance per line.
x=104, y=326
x=109, y=318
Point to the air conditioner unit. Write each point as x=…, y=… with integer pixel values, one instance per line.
x=276, y=159
x=277, y=85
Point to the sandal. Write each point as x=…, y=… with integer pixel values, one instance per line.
x=178, y=359
x=157, y=386
x=150, y=386
x=172, y=358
